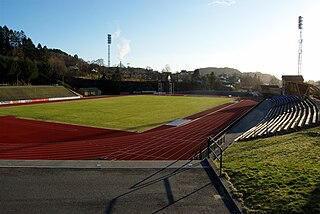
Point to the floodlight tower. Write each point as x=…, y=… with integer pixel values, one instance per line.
x=300, y=45
x=109, y=44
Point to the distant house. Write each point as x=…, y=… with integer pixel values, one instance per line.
x=74, y=68
x=183, y=72
x=86, y=92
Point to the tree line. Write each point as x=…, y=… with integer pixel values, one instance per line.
x=22, y=62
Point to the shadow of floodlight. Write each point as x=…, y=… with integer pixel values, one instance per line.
x=164, y=178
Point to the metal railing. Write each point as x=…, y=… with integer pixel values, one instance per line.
x=206, y=150
x=213, y=146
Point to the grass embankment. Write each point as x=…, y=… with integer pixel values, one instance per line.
x=131, y=113
x=280, y=174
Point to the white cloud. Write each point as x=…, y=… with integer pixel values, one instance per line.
x=223, y=2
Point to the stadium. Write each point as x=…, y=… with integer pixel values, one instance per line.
x=54, y=123
x=66, y=126
x=159, y=107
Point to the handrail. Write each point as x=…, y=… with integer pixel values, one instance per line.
x=215, y=142
x=220, y=135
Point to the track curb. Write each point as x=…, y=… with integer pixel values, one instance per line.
x=234, y=205
x=100, y=164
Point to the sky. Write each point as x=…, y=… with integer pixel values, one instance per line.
x=248, y=35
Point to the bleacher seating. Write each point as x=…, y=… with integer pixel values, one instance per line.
x=288, y=113
x=11, y=93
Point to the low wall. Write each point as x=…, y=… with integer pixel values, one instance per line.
x=37, y=100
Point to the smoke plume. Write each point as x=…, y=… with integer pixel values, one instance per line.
x=116, y=34
x=122, y=44
x=124, y=48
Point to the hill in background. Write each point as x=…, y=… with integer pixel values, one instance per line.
x=265, y=78
x=219, y=71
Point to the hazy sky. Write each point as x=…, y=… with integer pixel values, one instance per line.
x=249, y=35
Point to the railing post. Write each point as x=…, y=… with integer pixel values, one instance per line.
x=221, y=163
x=208, y=147
x=220, y=159
x=200, y=156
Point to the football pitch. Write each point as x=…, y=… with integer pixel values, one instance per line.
x=130, y=113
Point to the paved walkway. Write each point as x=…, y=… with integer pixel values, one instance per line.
x=249, y=121
x=108, y=187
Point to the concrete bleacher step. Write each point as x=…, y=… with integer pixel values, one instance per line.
x=314, y=110
x=269, y=125
x=302, y=116
x=309, y=114
x=11, y=93
x=291, y=119
x=283, y=119
x=276, y=123
x=295, y=120
x=286, y=119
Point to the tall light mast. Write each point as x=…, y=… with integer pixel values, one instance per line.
x=109, y=44
x=300, y=45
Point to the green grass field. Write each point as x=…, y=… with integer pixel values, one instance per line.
x=131, y=113
x=280, y=174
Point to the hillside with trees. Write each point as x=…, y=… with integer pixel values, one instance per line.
x=22, y=62
x=219, y=71
x=264, y=78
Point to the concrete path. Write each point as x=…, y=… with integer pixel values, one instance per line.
x=248, y=121
x=108, y=187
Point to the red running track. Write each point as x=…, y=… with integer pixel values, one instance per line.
x=37, y=140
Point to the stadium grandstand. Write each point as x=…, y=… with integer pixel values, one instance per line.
x=297, y=108
x=288, y=113
x=15, y=93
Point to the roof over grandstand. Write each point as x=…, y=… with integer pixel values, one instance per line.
x=292, y=78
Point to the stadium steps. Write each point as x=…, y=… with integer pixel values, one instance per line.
x=288, y=114
x=12, y=93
